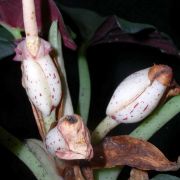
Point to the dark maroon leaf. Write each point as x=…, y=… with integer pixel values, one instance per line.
x=46, y=12
x=86, y=20
x=115, y=29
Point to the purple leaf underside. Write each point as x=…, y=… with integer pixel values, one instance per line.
x=111, y=31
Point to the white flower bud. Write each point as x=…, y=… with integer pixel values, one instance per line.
x=138, y=95
x=40, y=77
x=69, y=139
x=42, y=83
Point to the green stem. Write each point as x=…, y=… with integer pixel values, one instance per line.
x=84, y=84
x=103, y=128
x=146, y=130
x=22, y=152
x=158, y=119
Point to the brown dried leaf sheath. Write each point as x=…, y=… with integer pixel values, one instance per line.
x=69, y=173
x=87, y=172
x=39, y=121
x=126, y=150
x=74, y=173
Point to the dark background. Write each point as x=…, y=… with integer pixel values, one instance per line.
x=109, y=64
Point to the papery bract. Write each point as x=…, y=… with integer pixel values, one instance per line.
x=69, y=139
x=126, y=150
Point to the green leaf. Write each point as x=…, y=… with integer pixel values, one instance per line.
x=7, y=37
x=165, y=177
x=6, y=49
x=47, y=162
x=15, y=32
x=6, y=43
x=86, y=20
x=117, y=30
x=131, y=27
x=21, y=150
x=5, y=34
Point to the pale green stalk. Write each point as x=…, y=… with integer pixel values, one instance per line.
x=103, y=128
x=158, y=119
x=146, y=130
x=84, y=84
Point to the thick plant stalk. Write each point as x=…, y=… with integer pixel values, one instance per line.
x=106, y=125
x=158, y=119
x=30, y=26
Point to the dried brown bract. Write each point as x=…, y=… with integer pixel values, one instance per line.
x=126, y=150
x=69, y=139
x=137, y=174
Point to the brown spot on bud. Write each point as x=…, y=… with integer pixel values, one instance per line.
x=71, y=119
x=162, y=73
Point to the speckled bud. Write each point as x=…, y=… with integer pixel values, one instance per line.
x=69, y=139
x=40, y=77
x=138, y=95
